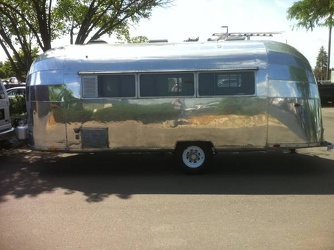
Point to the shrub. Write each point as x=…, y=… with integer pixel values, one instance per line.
x=17, y=109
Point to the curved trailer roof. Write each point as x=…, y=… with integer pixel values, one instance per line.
x=248, y=54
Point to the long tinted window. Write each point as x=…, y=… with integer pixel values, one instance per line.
x=171, y=84
x=226, y=83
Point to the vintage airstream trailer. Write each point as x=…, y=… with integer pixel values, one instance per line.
x=193, y=99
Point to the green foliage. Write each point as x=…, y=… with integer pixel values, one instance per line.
x=116, y=113
x=6, y=70
x=71, y=114
x=321, y=65
x=18, y=65
x=93, y=19
x=17, y=33
x=17, y=105
x=138, y=39
x=18, y=69
x=17, y=109
x=2, y=71
x=59, y=93
x=143, y=113
x=312, y=13
x=153, y=113
x=156, y=113
x=32, y=25
x=71, y=110
x=241, y=106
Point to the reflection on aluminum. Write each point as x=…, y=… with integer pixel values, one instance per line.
x=285, y=111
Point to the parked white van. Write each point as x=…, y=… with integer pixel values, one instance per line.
x=6, y=128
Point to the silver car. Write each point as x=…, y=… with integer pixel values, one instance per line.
x=16, y=91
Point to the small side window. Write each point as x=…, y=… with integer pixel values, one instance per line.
x=89, y=86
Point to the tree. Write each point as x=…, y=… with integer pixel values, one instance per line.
x=312, y=13
x=27, y=25
x=91, y=19
x=138, y=39
x=321, y=65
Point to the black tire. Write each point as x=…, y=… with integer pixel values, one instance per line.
x=194, y=157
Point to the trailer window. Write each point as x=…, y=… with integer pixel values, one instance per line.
x=172, y=84
x=109, y=86
x=89, y=86
x=230, y=83
x=116, y=86
x=46, y=93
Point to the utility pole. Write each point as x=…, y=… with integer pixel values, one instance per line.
x=329, y=53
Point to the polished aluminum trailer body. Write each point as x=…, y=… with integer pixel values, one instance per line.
x=234, y=95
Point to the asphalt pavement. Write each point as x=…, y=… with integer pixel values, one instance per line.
x=273, y=200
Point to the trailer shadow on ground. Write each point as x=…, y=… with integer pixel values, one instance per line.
x=98, y=176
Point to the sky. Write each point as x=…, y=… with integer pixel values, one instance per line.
x=185, y=19
x=201, y=18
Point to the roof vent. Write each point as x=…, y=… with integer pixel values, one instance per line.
x=158, y=41
x=192, y=39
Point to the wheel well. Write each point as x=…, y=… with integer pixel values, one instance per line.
x=183, y=143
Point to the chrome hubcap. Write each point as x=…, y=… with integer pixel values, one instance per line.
x=193, y=156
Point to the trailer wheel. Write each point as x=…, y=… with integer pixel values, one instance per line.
x=194, y=158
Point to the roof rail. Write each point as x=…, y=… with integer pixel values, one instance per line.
x=229, y=36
